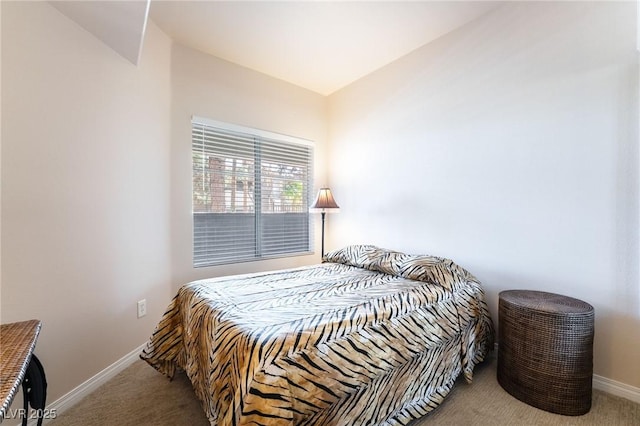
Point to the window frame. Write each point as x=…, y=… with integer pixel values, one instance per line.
x=263, y=139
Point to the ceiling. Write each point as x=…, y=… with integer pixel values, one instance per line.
x=319, y=45
x=119, y=24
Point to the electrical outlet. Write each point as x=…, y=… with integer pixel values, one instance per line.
x=142, y=308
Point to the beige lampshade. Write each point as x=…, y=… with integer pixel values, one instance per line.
x=324, y=200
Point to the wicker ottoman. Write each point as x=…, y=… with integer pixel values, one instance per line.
x=545, y=352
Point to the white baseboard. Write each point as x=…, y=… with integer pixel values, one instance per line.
x=616, y=388
x=74, y=396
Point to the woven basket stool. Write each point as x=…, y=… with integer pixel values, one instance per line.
x=545, y=351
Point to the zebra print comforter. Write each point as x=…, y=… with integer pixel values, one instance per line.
x=369, y=337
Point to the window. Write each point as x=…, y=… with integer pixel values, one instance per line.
x=251, y=192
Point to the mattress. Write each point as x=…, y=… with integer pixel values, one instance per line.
x=370, y=336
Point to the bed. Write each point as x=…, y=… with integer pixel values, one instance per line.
x=369, y=337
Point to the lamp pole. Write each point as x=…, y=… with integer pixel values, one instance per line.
x=322, y=251
x=324, y=201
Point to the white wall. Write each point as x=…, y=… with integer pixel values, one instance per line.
x=96, y=179
x=0, y=160
x=209, y=87
x=85, y=178
x=510, y=146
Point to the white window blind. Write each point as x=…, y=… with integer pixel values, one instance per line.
x=251, y=193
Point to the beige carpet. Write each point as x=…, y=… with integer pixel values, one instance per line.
x=141, y=396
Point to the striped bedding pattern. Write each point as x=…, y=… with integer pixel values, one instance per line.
x=369, y=337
